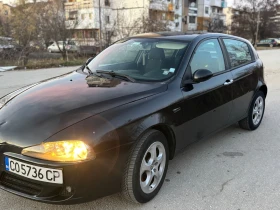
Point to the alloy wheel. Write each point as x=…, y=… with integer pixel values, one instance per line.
x=258, y=110
x=152, y=167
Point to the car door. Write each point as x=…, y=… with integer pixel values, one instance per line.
x=207, y=105
x=245, y=78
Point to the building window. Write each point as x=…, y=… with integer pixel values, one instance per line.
x=90, y=15
x=163, y=16
x=83, y=16
x=177, y=4
x=170, y=16
x=94, y=34
x=107, y=19
x=79, y=34
x=192, y=19
x=207, y=10
x=107, y=3
x=213, y=10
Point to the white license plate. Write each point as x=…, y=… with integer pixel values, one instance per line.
x=34, y=172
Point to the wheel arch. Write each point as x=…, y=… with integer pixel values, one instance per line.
x=169, y=135
x=263, y=88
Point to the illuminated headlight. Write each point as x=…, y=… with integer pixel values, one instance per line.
x=61, y=151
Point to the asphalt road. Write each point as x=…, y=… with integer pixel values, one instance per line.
x=233, y=170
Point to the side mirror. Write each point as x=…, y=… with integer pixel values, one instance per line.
x=202, y=75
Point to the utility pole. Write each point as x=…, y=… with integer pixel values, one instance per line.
x=100, y=26
x=258, y=23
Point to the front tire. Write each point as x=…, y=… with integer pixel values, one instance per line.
x=255, y=114
x=146, y=168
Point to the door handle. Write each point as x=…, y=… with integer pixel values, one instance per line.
x=228, y=82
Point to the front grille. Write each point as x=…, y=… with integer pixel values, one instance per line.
x=16, y=183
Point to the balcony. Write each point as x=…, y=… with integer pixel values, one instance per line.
x=219, y=16
x=192, y=26
x=192, y=12
x=162, y=6
x=75, y=6
x=71, y=24
x=219, y=3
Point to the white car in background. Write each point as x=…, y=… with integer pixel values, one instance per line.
x=70, y=46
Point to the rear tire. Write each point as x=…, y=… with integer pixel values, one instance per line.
x=146, y=168
x=255, y=114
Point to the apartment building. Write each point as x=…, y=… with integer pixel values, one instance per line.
x=200, y=11
x=5, y=11
x=125, y=15
x=230, y=12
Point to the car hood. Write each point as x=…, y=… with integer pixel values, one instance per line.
x=35, y=113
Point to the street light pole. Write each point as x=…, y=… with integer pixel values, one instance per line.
x=258, y=23
x=100, y=26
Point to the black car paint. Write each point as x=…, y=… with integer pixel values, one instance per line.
x=111, y=119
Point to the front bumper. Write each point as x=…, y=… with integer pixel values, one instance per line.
x=88, y=180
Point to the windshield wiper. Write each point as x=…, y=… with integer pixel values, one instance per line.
x=91, y=72
x=115, y=74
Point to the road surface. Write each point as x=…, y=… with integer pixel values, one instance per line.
x=233, y=170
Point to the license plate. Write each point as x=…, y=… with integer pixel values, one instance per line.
x=34, y=172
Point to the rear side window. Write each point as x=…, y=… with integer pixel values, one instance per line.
x=239, y=52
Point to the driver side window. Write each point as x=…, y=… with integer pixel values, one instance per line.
x=208, y=56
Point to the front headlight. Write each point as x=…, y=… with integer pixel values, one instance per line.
x=61, y=151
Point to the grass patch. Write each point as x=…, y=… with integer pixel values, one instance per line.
x=50, y=63
x=44, y=63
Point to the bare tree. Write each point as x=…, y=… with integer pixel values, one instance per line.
x=125, y=27
x=5, y=27
x=53, y=25
x=245, y=18
x=215, y=24
x=155, y=25
x=24, y=28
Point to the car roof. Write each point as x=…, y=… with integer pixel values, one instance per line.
x=184, y=36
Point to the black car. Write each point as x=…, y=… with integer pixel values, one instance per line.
x=268, y=43
x=8, y=48
x=114, y=124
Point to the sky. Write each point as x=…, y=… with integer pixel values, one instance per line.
x=230, y=2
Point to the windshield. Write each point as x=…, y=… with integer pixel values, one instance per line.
x=141, y=59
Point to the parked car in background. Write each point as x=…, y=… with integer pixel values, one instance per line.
x=70, y=46
x=271, y=42
x=74, y=47
x=8, y=47
x=113, y=124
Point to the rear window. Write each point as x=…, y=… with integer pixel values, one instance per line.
x=239, y=52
